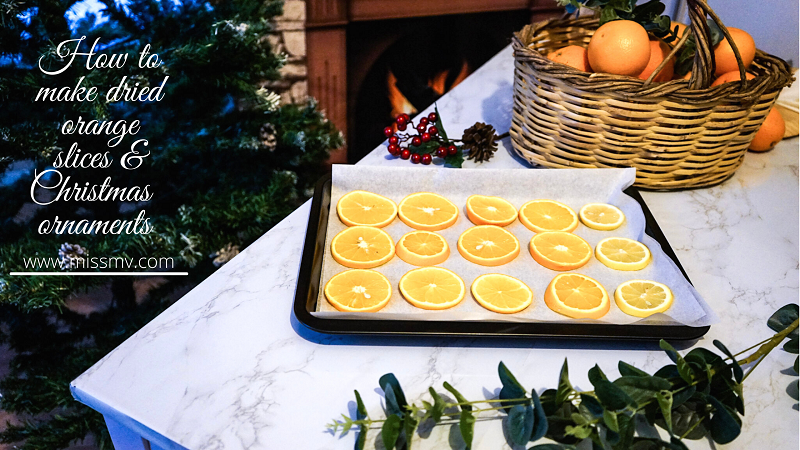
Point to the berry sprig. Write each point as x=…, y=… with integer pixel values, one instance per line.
x=429, y=141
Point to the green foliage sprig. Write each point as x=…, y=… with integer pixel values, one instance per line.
x=699, y=395
x=650, y=15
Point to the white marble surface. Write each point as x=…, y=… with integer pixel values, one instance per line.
x=228, y=366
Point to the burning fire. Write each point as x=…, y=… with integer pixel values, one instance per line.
x=400, y=103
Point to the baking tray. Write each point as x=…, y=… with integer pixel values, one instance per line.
x=309, y=279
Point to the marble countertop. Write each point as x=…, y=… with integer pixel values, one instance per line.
x=229, y=367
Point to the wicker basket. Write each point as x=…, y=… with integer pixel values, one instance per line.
x=677, y=134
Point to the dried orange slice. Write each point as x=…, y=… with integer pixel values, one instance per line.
x=427, y=211
x=577, y=296
x=488, y=245
x=559, y=250
x=548, y=215
x=501, y=293
x=601, y=216
x=358, y=290
x=362, y=247
x=432, y=288
x=486, y=210
x=365, y=208
x=643, y=298
x=422, y=248
x=622, y=253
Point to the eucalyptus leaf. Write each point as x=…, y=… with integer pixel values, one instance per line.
x=361, y=414
x=642, y=389
x=361, y=410
x=361, y=442
x=390, y=431
x=540, y=419
x=678, y=398
x=591, y=406
x=564, y=386
x=627, y=427
x=392, y=405
x=346, y=425
x=626, y=369
x=784, y=317
x=685, y=418
x=684, y=370
x=724, y=426
x=467, y=427
x=737, y=369
x=607, y=14
x=668, y=371
x=621, y=5
x=665, y=403
x=520, y=423
x=438, y=405
x=595, y=373
x=715, y=32
x=511, y=388
x=548, y=401
x=791, y=346
x=459, y=398
x=612, y=396
x=579, y=419
x=580, y=431
x=391, y=380
x=410, y=424
x=610, y=419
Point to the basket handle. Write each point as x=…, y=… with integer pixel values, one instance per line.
x=703, y=66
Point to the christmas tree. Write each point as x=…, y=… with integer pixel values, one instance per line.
x=224, y=163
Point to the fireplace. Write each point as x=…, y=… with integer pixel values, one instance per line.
x=369, y=60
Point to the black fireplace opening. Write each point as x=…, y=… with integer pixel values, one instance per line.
x=404, y=65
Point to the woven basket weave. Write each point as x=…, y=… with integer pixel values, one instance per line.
x=677, y=134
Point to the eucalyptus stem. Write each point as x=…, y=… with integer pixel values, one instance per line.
x=771, y=344
x=693, y=427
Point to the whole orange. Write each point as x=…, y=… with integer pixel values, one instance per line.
x=770, y=133
x=573, y=56
x=620, y=47
x=731, y=76
x=658, y=51
x=681, y=29
x=723, y=53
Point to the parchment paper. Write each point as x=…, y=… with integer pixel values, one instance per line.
x=573, y=187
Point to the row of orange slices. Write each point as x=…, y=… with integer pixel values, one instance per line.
x=435, y=288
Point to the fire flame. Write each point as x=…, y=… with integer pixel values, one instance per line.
x=437, y=83
x=399, y=102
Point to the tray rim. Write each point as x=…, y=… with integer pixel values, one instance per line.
x=309, y=280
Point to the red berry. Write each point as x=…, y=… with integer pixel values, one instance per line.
x=415, y=158
x=394, y=140
x=426, y=137
x=441, y=152
x=405, y=154
x=388, y=131
x=423, y=121
x=452, y=150
x=400, y=120
x=402, y=127
x=406, y=117
x=433, y=131
x=426, y=159
x=394, y=149
x=432, y=117
x=416, y=141
x=421, y=128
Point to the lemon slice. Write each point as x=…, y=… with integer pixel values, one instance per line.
x=643, y=298
x=358, y=290
x=501, y=293
x=432, y=288
x=623, y=253
x=362, y=247
x=601, y=216
x=365, y=208
x=427, y=211
x=486, y=210
x=559, y=250
x=548, y=215
x=422, y=248
x=577, y=296
x=488, y=245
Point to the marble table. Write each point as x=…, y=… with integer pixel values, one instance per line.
x=229, y=367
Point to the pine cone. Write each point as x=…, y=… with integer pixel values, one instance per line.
x=481, y=142
x=70, y=255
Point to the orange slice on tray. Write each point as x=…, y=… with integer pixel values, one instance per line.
x=577, y=296
x=488, y=245
x=432, y=288
x=623, y=253
x=501, y=293
x=427, y=211
x=601, y=216
x=486, y=210
x=559, y=250
x=365, y=208
x=358, y=290
x=362, y=247
x=548, y=215
x=643, y=298
x=422, y=248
